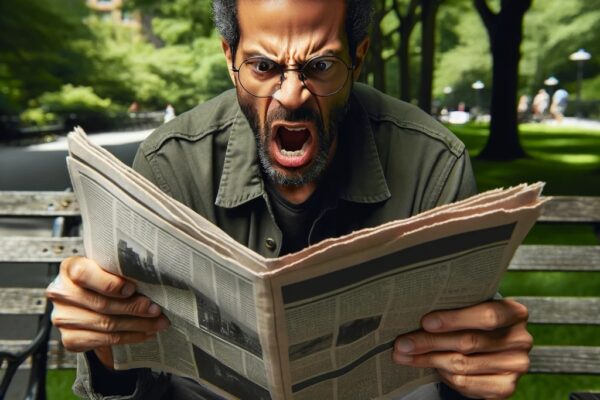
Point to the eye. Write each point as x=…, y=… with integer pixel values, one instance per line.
x=320, y=65
x=263, y=66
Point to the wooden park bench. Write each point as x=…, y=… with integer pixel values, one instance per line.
x=61, y=207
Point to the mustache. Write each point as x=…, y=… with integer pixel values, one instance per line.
x=297, y=115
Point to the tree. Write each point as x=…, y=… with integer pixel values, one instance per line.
x=406, y=25
x=505, y=32
x=429, y=10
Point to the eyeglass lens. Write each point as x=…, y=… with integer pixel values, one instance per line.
x=322, y=76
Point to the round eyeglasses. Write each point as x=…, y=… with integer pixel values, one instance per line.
x=322, y=75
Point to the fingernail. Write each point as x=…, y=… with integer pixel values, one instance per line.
x=405, y=345
x=432, y=323
x=154, y=308
x=403, y=359
x=127, y=289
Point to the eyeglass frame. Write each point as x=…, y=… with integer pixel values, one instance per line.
x=299, y=69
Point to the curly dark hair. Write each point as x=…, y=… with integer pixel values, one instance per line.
x=358, y=18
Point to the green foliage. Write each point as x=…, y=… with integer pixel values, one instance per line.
x=37, y=117
x=37, y=48
x=75, y=99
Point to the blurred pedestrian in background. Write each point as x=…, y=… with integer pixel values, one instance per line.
x=541, y=101
x=559, y=104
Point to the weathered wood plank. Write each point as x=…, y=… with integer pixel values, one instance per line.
x=47, y=204
x=556, y=258
x=39, y=249
x=565, y=360
x=58, y=357
x=24, y=301
x=562, y=310
x=571, y=209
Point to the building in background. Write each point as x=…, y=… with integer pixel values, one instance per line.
x=112, y=10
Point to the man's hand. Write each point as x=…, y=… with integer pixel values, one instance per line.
x=94, y=309
x=480, y=351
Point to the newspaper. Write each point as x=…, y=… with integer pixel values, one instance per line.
x=316, y=324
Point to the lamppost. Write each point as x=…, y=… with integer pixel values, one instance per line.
x=478, y=87
x=447, y=92
x=580, y=57
x=551, y=82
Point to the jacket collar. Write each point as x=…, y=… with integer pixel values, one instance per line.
x=362, y=179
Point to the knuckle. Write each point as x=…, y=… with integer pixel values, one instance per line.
x=523, y=364
x=459, y=364
x=76, y=271
x=469, y=343
x=69, y=342
x=107, y=324
x=99, y=303
x=491, y=318
x=114, y=339
x=460, y=382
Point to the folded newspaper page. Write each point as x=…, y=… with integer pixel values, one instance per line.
x=316, y=324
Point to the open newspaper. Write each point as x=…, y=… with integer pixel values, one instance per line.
x=316, y=324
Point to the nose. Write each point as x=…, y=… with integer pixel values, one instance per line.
x=292, y=93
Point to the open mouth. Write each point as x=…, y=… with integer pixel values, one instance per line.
x=292, y=145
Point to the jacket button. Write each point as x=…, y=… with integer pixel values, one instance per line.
x=270, y=243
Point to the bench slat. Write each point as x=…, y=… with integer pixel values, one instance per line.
x=39, y=249
x=58, y=357
x=571, y=209
x=48, y=204
x=565, y=359
x=562, y=310
x=556, y=258
x=23, y=301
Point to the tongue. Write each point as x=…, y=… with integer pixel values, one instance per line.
x=293, y=140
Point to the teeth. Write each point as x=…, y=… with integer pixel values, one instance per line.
x=295, y=129
x=297, y=153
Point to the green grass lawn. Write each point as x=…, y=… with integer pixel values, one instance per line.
x=568, y=160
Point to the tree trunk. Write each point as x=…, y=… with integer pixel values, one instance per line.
x=403, y=54
x=505, y=31
x=429, y=10
x=377, y=64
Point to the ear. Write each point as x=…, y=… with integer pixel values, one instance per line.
x=229, y=57
x=361, y=53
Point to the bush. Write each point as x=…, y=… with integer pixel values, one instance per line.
x=37, y=117
x=80, y=105
x=79, y=100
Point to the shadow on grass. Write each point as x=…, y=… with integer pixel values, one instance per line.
x=568, y=160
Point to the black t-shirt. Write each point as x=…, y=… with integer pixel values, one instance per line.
x=294, y=220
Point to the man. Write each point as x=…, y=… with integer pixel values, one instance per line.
x=297, y=153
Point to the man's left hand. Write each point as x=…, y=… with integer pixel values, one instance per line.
x=481, y=351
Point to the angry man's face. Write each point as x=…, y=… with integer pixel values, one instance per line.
x=296, y=131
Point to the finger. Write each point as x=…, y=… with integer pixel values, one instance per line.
x=482, y=386
x=82, y=340
x=477, y=364
x=65, y=292
x=489, y=315
x=514, y=337
x=69, y=317
x=86, y=273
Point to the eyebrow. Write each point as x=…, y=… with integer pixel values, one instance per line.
x=250, y=54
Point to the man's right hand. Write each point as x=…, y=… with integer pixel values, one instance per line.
x=94, y=309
